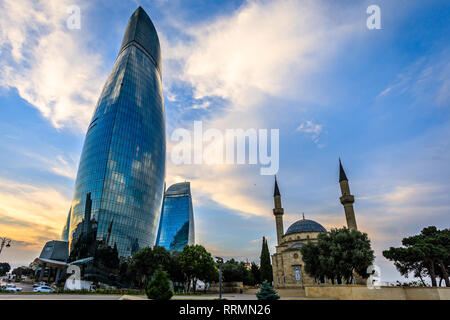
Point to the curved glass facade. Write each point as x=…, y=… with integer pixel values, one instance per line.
x=176, y=228
x=65, y=231
x=122, y=165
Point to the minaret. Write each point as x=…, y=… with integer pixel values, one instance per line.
x=278, y=212
x=347, y=199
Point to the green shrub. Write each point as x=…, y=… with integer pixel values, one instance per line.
x=159, y=287
x=267, y=292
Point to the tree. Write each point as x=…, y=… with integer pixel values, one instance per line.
x=147, y=261
x=338, y=254
x=233, y=270
x=197, y=264
x=310, y=255
x=159, y=287
x=22, y=271
x=210, y=271
x=266, y=266
x=175, y=272
x=256, y=273
x=439, y=273
x=4, y=268
x=429, y=250
x=107, y=258
x=407, y=260
x=125, y=272
x=247, y=275
x=267, y=292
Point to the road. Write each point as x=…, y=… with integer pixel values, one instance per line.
x=58, y=297
x=32, y=296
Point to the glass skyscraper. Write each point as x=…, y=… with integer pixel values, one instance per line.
x=176, y=228
x=120, y=180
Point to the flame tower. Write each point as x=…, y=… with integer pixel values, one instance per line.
x=122, y=164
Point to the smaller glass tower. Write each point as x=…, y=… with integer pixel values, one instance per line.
x=176, y=227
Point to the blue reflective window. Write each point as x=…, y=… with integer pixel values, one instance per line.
x=177, y=219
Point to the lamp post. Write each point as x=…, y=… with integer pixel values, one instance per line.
x=220, y=261
x=4, y=242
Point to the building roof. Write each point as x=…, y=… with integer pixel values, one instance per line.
x=140, y=30
x=179, y=189
x=51, y=263
x=305, y=225
x=55, y=250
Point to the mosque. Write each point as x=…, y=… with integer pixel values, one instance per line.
x=287, y=263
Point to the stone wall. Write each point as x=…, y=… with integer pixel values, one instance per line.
x=354, y=292
x=295, y=292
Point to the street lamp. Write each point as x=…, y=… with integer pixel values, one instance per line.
x=220, y=261
x=5, y=242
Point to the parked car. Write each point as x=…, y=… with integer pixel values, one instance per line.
x=12, y=288
x=43, y=289
x=39, y=284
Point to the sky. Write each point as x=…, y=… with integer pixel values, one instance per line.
x=378, y=99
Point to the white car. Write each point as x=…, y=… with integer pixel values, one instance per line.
x=13, y=288
x=40, y=284
x=43, y=289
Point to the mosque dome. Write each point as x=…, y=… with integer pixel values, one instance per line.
x=305, y=225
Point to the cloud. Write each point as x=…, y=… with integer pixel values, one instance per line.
x=263, y=50
x=48, y=64
x=312, y=129
x=220, y=184
x=385, y=91
x=64, y=168
x=58, y=164
x=425, y=80
x=30, y=215
x=203, y=105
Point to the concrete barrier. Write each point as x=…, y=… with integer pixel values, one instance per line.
x=354, y=292
x=444, y=293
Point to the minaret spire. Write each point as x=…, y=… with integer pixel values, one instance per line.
x=342, y=175
x=276, y=191
x=347, y=199
x=278, y=212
